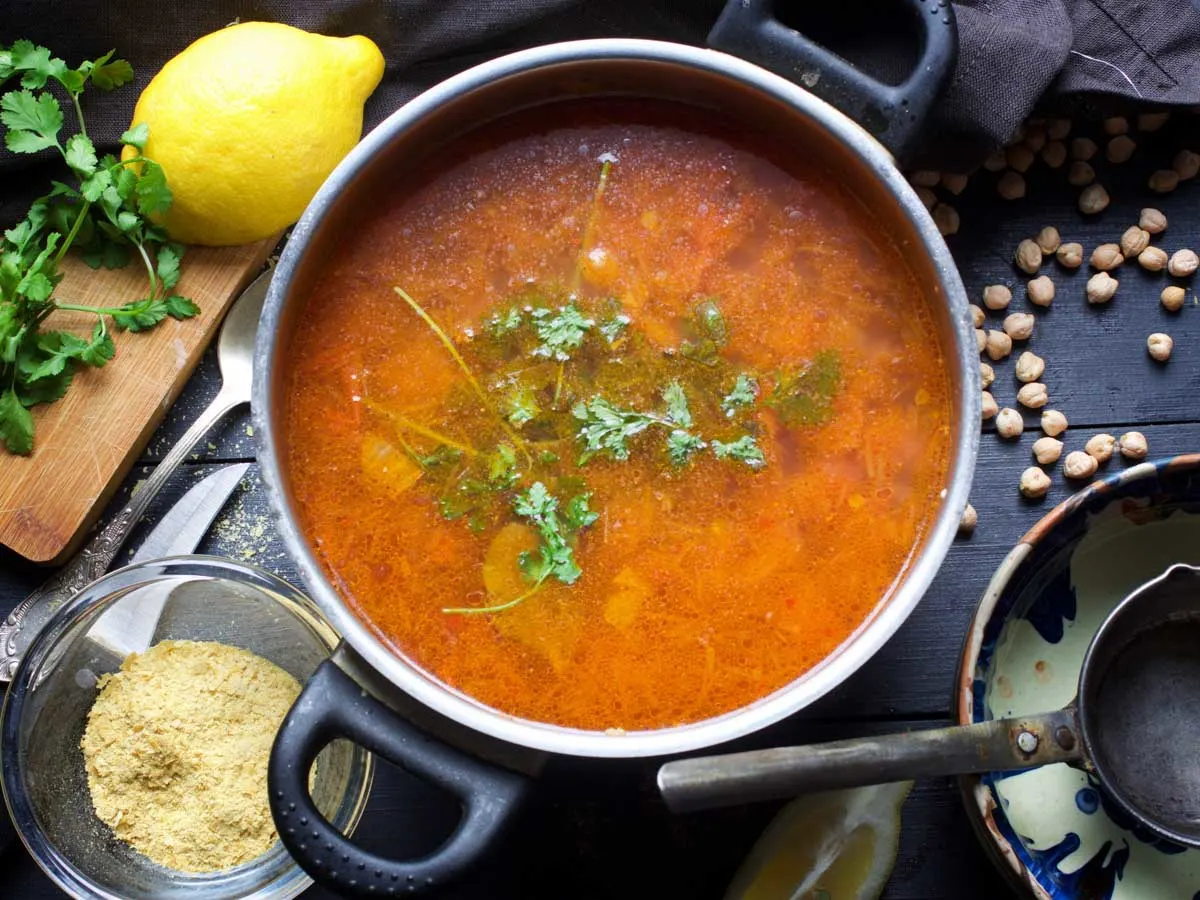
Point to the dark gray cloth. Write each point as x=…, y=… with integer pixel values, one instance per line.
x=1012, y=52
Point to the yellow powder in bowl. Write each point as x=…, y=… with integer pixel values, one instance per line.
x=176, y=750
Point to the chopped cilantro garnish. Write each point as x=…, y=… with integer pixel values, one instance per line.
x=560, y=332
x=743, y=393
x=744, y=449
x=805, y=396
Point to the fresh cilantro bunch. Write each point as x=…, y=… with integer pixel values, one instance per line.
x=104, y=209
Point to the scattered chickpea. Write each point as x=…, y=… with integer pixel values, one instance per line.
x=1079, y=465
x=1100, y=447
x=1133, y=445
x=1033, y=395
x=1093, y=199
x=1107, y=257
x=925, y=178
x=1019, y=157
x=1152, y=121
x=1048, y=240
x=997, y=296
x=977, y=315
x=1009, y=423
x=1034, y=483
x=1080, y=173
x=1040, y=290
x=1134, y=241
x=1160, y=346
x=1030, y=367
x=1163, y=181
x=1035, y=136
x=999, y=345
x=1152, y=220
x=1183, y=263
x=1058, y=129
x=1083, y=149
x=1172, y=298
x=990, y=407
x=1019, y=326
x=981, y=339
x=1047, y=450
x=1101, y=288
x=1186, y=165
x=945, y=217
x=1120, y=149
x=1070, y=255
x=1115, y=125
x=954, y=182
x=995, y=161
x=1054, y=154
x=1153, y=259
x=1011, y=186
x=1029, y=256
x=1054, y=423
x=970, y=518
x=987, y=375
x=927, y=197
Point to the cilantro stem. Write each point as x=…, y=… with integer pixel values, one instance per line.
x=500, y=607
x=154, y=293
x=78, y=113
x=98, y=310
x=417, y=428
x=75, y=226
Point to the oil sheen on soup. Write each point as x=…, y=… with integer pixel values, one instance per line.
x=616, y=419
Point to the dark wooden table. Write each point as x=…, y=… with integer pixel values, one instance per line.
x=598, y=829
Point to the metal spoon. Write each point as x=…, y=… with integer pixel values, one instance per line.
x=235, y=356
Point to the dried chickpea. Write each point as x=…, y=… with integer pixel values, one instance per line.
x=1120, y=149
x=977, y=315
x=1040, y=290
x=1009, y=423
x=1133, y=445
x=1034, y=483
x=1183, y=263
x=1047, y=450
x=1033, y=395
x=981, y=339
x=987, y=375
x=925, y=178
x=990, y=407
x=1030, y=367
x=927, y=197
x=1079, y=465
x=1107, y=257
x=1054, y=154
x=1019, y=157
x=945, y=217
x=1152, y=121
x=1093, y=199
x=1153, y=259
x=1100, y=447
x=1160, y=346
x=1163, y=181
x=970, y=518
x=1035, y=136
x=1058, y=129
x=1019, y=326
x=999, y=345
x=1134, y=241
x=1152, y=220
x=1115, y=125
x=997, y=296
x=1011, y=186
x=1054, y=423
x=1028, y=257
x=1172, y=298
x=1083, y=149
x=954, y=183
x=1048, y=240
x=1080, y=173
x=995, y=161
x=1070, y=255
x=1186, y=165
x=1101, y=288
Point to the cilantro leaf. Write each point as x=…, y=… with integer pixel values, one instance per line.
x=613, y=328
x=35, y=63
x=681, y=445
x=502, y=468
x=81, y=155
x=108, y=73
x=501, y=324
x=16, y=424
x=142, y=314
x=577, y=512
x=167, y=264
x=677, y=405
x=707, y=334
x=743, y=393
x=744, y=449
x=560, y=332
x=556, y=556
x=137, y=136
x=180, y=307
x=521, y=407
x=607, y=429
x=805, y=396
x=153, y=195
x=31, y=120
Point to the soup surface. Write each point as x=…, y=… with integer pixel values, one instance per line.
x=653, y=423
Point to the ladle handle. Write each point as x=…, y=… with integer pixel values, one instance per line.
x=1000, y=745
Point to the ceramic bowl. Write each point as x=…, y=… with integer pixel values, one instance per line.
x=1052, y=830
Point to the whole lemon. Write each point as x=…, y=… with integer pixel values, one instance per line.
x=248, y=121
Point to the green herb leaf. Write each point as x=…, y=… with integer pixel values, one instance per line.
x=31, y=120
x=744, y=393
x=577, y=513
x=555, y=557
x=677, y=405
x=521, y=407
x=137, y=136
x=681, y=445
x=744, y=449
x=708, y=333
x=607, y=429
x=143, y=314
x=501, y=324
x=805, y=396
x=613, y=328
x=35, y=63
x=16, y=424
x=108, y=73
x=153, y=195
x=560, y=332
x=167, y=265
x=502, y=468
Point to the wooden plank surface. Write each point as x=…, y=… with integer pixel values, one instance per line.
x=84, y=443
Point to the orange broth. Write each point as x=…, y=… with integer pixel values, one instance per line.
x=704, y=586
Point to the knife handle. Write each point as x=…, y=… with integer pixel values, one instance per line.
x=31, y=614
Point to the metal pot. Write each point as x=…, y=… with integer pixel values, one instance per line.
x=369, y=693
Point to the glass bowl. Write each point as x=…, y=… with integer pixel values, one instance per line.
x=45, y=786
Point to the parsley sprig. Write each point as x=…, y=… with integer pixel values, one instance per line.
x=105, y=211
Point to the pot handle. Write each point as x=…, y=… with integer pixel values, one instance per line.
x=893, y=114
x=332, y=705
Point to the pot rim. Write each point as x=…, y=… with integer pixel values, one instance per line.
x=860, y=646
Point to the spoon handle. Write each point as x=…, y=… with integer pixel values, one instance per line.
x=27, y=619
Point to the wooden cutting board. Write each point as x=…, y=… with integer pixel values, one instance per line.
x=86, y=442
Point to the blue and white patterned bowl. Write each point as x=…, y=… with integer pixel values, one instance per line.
x=1052, y=829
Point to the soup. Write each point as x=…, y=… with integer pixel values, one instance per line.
x=616, y=418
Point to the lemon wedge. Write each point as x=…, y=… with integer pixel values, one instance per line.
x=835, y=846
